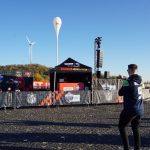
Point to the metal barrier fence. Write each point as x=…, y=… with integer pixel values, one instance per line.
x=47, y=98
x=105, y=96
x=146, y=94
x=18, y=99
x=43, y=98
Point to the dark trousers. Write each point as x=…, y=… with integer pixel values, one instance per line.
x=125, y=119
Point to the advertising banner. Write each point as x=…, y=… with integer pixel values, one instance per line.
x=70, y=98
x=70, y=86
x=41, y=85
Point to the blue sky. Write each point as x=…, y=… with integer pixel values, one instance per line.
x=123, y=25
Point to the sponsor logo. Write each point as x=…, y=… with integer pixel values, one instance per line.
x=73, y=69
x=72, y=64
x=68, y=89
x=31, y=98
x=69, y=97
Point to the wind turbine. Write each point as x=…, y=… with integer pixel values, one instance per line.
x=30, y=49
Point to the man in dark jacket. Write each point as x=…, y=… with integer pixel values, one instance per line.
x=133, y=107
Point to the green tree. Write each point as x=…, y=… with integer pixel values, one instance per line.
x=38, y=77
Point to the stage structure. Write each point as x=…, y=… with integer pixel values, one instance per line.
x=98, y=63
x=71, y=76
x=98, y=56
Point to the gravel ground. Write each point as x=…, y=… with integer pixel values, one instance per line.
x=67, y=128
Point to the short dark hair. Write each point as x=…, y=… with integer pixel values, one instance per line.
x=133, y=66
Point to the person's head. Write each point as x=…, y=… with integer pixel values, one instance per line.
x=132, y=69
x=11, y=81
x=1, y=78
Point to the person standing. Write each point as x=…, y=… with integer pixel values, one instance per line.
x=133, y=107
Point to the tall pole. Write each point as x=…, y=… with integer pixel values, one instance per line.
x=30, y=53
x=57, y=60
x=57, y=24
x=97, y=58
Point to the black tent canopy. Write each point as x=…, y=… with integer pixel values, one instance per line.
x=71, y=71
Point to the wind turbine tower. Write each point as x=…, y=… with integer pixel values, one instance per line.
x=30, y=49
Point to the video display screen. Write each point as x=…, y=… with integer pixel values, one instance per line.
x=21, y=83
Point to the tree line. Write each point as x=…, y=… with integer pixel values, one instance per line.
x=40, y=72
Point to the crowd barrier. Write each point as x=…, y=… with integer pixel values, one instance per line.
x=43, y=98
x=146, y=94
x=19, y=99
x=47, y=98
x=106, y=96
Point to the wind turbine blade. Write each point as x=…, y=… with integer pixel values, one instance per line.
x=33, y=43
x=28, y=39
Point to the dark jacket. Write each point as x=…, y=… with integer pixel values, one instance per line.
x=132, y=93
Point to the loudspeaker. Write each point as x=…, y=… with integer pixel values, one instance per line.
x=99, y=61
x=106, y=74
x=98, y=74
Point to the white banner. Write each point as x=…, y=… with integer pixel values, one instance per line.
x=69, y=97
